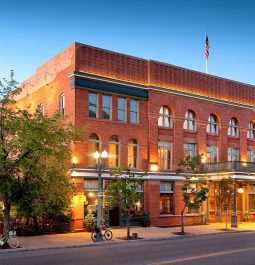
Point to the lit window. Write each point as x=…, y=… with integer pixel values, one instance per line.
x=233, y=128
x=93, y=146
x=233, y=154
x=212, y=126
x=62, y=104
x=190, y=121
x=165, y=117
x=251, y=156
x=133, y=111
x=251, y=130
x=106, y=100
x=121, y=109
x=251, y=197
x=211, y=154
x=93, y=113
x=165, y=155
x=114, y=154
x=132, y=153
x=166, y=198
x=190, y=149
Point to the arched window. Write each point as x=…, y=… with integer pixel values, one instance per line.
x=114, y=153
x=233, y=127
x=132, y=153
x=62, y=104
x=93, y=146
x=251, y=130
x=212, y=126
x=165, y=117
x=190, y=122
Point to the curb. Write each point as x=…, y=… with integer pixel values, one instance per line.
x=114, y=242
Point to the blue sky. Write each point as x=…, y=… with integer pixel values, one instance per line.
x=170, y=31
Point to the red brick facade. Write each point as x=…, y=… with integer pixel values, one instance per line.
x=166, y=85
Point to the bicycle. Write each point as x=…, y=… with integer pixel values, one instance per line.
x=10, y=239
x=105, y=232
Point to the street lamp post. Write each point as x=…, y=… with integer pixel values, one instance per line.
x=203, y=161
x=234, y=214
x=100, y=157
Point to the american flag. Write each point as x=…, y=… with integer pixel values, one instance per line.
x=207, y=46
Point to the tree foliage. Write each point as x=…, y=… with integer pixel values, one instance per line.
x=34, y=151
x=194, y=189
x=123, y=191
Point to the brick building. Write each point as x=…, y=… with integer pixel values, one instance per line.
x=148, y=114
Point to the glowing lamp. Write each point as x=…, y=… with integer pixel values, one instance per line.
x=154, y=167
x=96, y=155
x=240, y=190
x=91, y=194
x=75, y=160
x=104, y=154
x=203, y=159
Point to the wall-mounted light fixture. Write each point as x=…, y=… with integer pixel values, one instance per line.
x=153, y=166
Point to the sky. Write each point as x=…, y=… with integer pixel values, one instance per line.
x=170, y=31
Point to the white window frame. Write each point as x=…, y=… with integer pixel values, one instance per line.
x=190, y=121
x=165, y=117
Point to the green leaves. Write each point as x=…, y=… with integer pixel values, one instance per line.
x=123, y=190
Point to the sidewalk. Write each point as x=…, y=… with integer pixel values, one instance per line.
x=82, y=239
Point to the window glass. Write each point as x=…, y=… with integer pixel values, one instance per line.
x=132, y=153
x=251, y=131
x=92, y=105
x=62, y=105
x=251, y=156
x=233, y=154
x=164, y=155
x=190, y=121
x=166, y=203
x=133, y=111
x=121, y=109
x=212, y=126
x=165, y=117
x=113, y=155
x=106, y=101
x=233, y=128
x=190, y=149
x=93, y=146
x=211, y=154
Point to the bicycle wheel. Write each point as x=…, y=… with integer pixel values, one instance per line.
x=108, y=234
x=94, y=236
x=13, y=242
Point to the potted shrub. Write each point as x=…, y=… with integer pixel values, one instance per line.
x=145, y=218
x=90, y=221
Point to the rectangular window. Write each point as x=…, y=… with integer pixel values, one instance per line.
x=190, y=149
x=165, y=155
x=90, y=184
x=106, y=101
x=211, y=154
x=233, y=154
x=166, y=198
x=251, y=156
x=133, y=111
x=93, y=105
x=121, y=109
x=251, y=193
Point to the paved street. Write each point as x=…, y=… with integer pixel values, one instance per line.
x=232, y=248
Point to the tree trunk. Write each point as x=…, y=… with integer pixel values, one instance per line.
x=182, y=221
x=226, y=218
x=35, y=223
x=7, y=209
x=128, y=226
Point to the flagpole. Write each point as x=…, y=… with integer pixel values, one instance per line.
x=206, y=59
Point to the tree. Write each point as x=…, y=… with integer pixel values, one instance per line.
x=33, y=149
x=123, y=192
x=194, y=192
x=224, y=195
